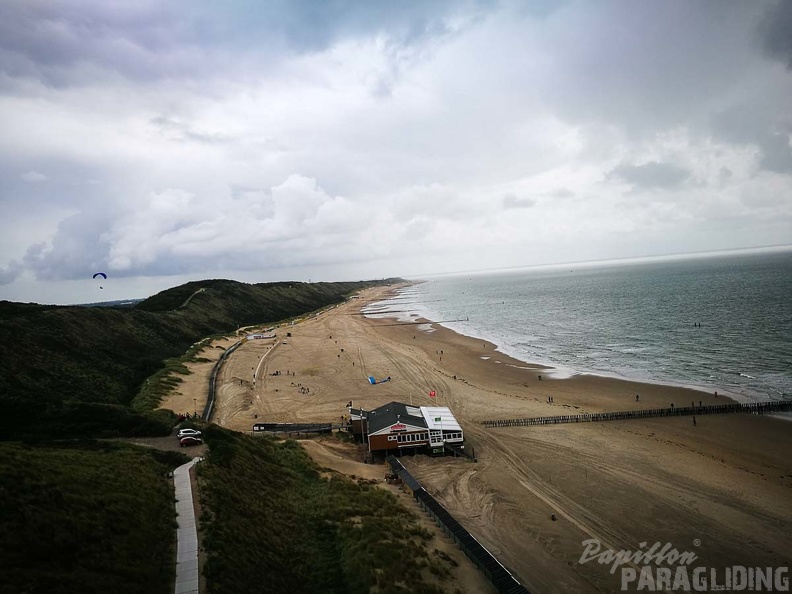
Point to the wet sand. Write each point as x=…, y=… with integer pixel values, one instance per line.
x=721, y=489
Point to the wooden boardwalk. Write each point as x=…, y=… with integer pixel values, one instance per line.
x=759, y=408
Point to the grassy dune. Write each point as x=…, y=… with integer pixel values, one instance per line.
x=76, y=371
x=86, y=517
x=80, y=515
x=274, y=522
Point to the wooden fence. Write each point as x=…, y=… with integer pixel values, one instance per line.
x=759, y=408
x=504, y=582
x=210, y=400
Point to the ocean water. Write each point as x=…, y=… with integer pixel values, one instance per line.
x=717, y=323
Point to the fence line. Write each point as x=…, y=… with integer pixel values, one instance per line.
x=504, y=582
x=759, y=408
x=210, y=400
x=292, y=428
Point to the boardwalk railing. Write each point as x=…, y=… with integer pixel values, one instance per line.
x=759, y=408
x=459, y=450
x=504, y=582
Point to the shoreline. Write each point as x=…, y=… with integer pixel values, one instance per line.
x=558, y=370
x=726, y=482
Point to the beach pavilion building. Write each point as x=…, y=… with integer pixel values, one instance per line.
x=397, y=426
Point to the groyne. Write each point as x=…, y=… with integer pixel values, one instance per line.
x=758, y=408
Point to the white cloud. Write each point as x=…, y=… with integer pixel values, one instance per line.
x=384, y=140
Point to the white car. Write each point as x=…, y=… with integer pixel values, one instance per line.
x=189, y=433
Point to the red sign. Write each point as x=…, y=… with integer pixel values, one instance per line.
x=399, y=427
x=432, y=394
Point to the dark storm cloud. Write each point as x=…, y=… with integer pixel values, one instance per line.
x=244, y=135
x=776, y=32
x=646, y=63
x=48, y=40
x=652, y=175
x=10, y=273
x=67, y=43
x=76, y=250
x=761, y=125
x=776, y=153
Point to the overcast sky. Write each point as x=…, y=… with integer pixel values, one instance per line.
x=161, y=142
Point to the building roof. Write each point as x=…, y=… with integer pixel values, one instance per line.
x=440, y=417
x=431, y=417
x=389, y=414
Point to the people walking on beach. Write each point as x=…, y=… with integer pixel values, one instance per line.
x=636, y=397
x=694, y=421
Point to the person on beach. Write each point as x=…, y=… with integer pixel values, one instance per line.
x=636, y=397
x=694, y=421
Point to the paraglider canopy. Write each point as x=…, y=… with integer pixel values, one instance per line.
x=102, y=274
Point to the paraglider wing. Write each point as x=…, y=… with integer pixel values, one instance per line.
x=102, y=274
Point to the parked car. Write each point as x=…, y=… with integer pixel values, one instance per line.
x=190, y=441
x=189, y=432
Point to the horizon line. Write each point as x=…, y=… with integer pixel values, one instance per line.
x=630, y=259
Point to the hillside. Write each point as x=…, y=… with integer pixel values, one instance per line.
x=71, y=522
x=272, y=517
x=74, y=371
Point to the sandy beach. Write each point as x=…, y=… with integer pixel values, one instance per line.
x=721, y=489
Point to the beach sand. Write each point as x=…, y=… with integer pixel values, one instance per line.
x=721, y=489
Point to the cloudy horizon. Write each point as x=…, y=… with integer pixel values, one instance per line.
x=166, y=142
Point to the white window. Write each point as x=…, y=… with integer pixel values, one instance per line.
x=391, y=438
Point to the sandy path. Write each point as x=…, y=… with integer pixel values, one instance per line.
x=726, y=483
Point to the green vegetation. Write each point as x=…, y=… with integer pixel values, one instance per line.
x=90, y=516
x=273, y=522
x=76, y=371
x=86, y=517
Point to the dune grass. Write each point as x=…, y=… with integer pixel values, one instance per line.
x=86, y=517
x=273, y=522
x=71, y=372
